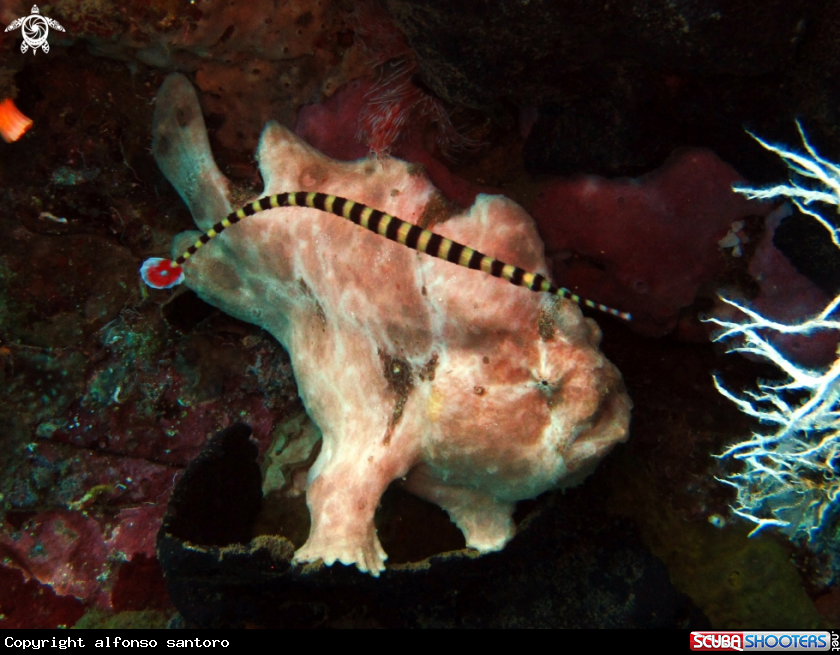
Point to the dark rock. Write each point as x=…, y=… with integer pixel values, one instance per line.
x=808, y=246
x=620, y=85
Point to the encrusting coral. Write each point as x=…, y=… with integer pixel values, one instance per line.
x=473, y=392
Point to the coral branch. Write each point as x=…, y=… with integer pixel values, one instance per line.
x=790, y=478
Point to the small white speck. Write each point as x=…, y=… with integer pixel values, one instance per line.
x=717, y=520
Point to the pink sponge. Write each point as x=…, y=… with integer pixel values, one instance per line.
x=645, y=245
x=786, y=296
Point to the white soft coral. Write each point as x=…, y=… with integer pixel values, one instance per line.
x=791, y=473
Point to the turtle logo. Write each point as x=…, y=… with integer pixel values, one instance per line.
x=34, y=29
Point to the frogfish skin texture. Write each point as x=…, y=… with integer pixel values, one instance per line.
x=472, y=392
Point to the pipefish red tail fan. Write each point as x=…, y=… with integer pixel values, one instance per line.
x=164, y=273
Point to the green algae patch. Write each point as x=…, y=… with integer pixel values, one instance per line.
x=101, y=620
x=735, y=580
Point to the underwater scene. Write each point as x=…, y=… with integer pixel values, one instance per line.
x=420, y=313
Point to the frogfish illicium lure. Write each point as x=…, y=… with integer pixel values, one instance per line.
x=165, y=273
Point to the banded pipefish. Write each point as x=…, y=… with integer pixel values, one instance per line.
x=165, y=273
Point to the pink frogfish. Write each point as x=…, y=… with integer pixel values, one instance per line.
x=420, y=359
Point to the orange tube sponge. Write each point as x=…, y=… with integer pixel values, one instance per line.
x=13, y=124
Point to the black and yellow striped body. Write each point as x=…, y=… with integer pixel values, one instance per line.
x=404, y=233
